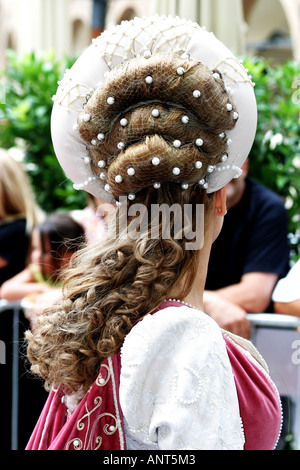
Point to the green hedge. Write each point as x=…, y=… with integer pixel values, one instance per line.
x=275, y=156
x=30, y=83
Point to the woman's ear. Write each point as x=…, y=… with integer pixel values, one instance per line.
x=220, y=202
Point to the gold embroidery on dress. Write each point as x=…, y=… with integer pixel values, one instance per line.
x=92, y=442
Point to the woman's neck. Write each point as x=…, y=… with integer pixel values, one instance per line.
x=195, y=295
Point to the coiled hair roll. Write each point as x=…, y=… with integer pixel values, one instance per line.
x=155, y=120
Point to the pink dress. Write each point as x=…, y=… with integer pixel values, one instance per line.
x=97, y=421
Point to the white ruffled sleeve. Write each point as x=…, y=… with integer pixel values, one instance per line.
x=177, y=389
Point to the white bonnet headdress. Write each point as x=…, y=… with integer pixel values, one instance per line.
x=143, y=39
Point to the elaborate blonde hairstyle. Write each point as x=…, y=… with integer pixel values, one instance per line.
x=116, y=282
x=16, y=196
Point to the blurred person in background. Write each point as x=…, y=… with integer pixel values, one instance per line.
x=18, y=214
x=92, y=218
x=250, y=255
x=53, y=243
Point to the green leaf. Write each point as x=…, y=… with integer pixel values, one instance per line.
x=30, y=83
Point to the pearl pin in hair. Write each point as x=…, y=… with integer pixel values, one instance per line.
x=210, y=168
x=124, y=122
x=149, y=80
x=147, y=54
x=87, y=160
x=155, y=112
x=100, y=136
x=107, y=188
x=101, y=164
x=176, y=171
x=86, y=117
x=156, y=185
x=199, y=142
x=180, y=71
x=118, y=179
x=177, y=143
x=216, y=75
x=94, y=141
x=110, y=100
x=229, y=107
x=198, y=165
x=102, y=176
x=224, y=158
x=155, y=161
x=196, y=93
x=131, y=196
x=120, y=145
x=185, y=119
x=184, y=186
x=130, y=171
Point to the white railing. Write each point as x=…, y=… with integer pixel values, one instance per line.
x=277, y=338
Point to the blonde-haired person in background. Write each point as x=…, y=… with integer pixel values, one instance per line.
x=18, y=215
x=129, y=356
